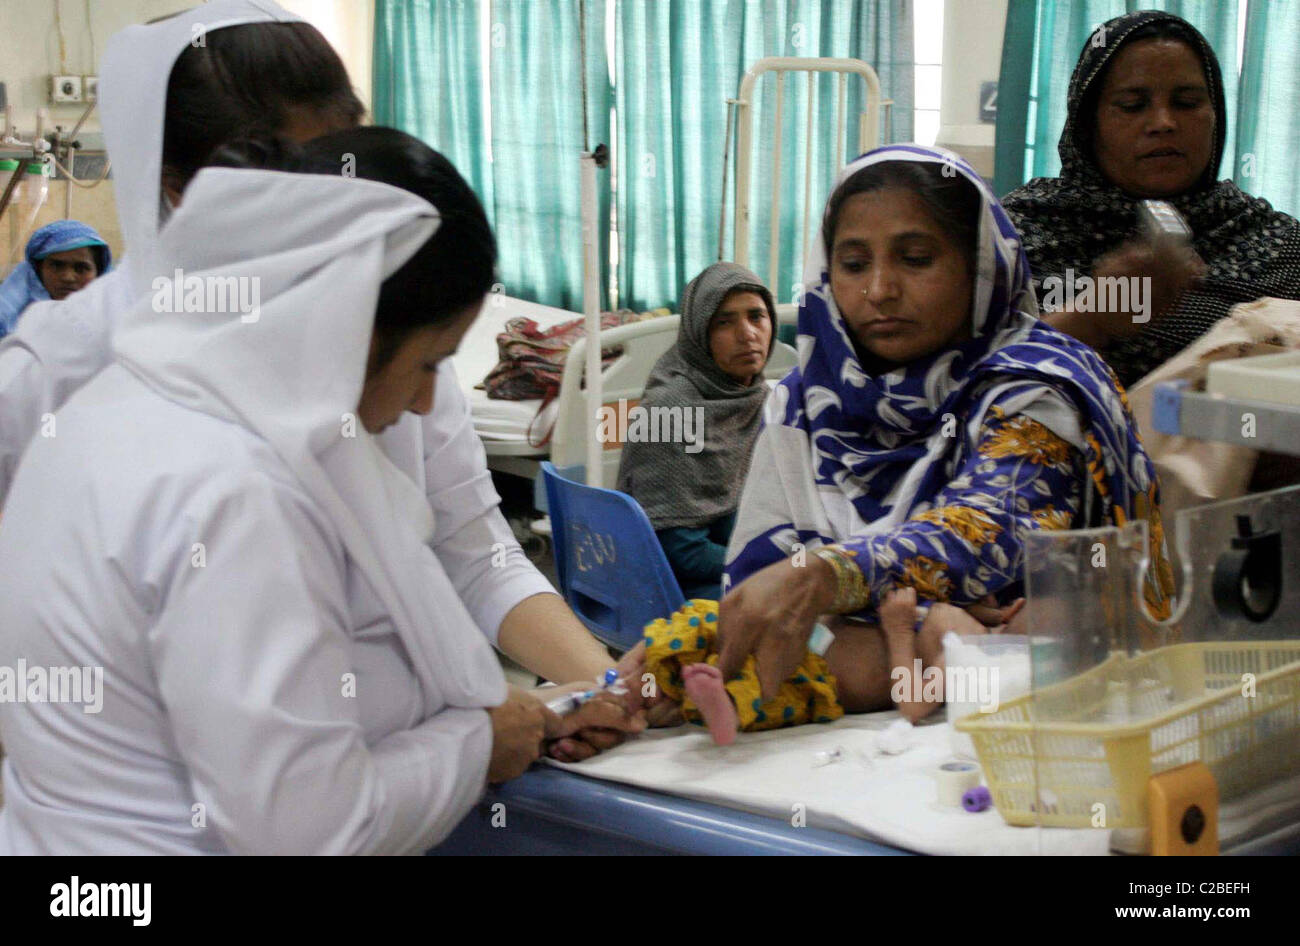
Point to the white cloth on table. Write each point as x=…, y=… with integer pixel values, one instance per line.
x=891, y=799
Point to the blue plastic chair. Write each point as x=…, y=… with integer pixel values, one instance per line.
x=611, y=567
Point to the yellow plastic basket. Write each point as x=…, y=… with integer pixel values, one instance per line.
x=1190, y=704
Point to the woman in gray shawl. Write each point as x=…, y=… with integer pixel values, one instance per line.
x=727, y=331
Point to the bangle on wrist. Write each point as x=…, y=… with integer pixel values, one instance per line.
x=851, y=591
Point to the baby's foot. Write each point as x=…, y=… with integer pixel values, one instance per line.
x=704, y=687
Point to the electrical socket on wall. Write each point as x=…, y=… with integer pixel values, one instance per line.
x=65, y=89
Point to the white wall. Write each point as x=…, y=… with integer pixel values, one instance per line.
x=29, y=54
x=972, y=53
x=349, y=25
x=29, y=45
x=29, y=49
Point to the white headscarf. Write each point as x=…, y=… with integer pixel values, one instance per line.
x=319, y=247
x=71, y=338
x=137, y=64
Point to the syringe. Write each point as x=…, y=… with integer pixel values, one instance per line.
x=566, y=704
x=569, y=702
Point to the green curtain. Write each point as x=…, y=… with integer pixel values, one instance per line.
x=520, y=147
x=517, y=137
x=1268, y=137
x=1042, y=43
x=422, y=50
x=537, y=138
x=677, y=62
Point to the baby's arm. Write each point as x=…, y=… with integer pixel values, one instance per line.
x=909, y=656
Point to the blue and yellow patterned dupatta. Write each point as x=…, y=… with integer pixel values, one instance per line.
x=849, y=458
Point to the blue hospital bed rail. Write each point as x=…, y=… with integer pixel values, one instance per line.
x=551, y=811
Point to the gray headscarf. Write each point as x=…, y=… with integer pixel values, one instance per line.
x=676, y=488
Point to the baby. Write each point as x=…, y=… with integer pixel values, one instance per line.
x=857, y=673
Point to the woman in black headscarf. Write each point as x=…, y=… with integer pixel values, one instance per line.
x=1147, y=120
x=690, y=491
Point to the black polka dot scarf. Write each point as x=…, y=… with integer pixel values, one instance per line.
x=1067, y=222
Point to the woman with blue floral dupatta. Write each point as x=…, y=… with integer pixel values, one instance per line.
x=932, y=421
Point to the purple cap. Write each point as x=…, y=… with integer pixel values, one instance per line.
x=976, y=799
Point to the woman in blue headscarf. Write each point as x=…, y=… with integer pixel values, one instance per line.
x=61, y=258
x=932, y=420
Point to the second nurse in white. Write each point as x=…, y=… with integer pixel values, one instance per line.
x=286, y=665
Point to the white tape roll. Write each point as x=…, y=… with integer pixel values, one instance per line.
x=954, y=779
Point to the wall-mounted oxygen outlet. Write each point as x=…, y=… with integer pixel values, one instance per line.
x=65, y=89
x=90, y=88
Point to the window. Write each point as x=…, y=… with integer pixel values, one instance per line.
x=927, y=20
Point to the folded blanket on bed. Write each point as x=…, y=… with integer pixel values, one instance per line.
x=532, y=358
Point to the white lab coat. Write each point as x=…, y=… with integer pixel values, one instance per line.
x=286, y=664
x=224, y=666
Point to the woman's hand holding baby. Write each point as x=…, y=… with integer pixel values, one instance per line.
x=993, y=616
x=771, y=616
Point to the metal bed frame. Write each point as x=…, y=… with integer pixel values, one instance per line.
x=868, y=122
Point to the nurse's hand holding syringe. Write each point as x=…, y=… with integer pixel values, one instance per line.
x=523, y=726
x=569, y=701
x=599, y=713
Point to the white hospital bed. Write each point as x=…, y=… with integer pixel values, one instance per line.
x=503, y=426
x=814, y=191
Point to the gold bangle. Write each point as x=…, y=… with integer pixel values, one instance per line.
x=859, y=595
x=851, y=591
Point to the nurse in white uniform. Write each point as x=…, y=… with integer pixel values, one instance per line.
x=169, y=95
x=286, y=666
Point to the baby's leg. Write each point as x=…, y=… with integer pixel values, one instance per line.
x=705, y=688
x=942, y=619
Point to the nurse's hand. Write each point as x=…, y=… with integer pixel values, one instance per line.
x=771, y=615
x=518, y=728
x=642, y=691
x=594, y=727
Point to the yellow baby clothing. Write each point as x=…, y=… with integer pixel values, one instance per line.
x=687, y=638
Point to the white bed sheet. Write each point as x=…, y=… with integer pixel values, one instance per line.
x=508, y=421
x=890, y=799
